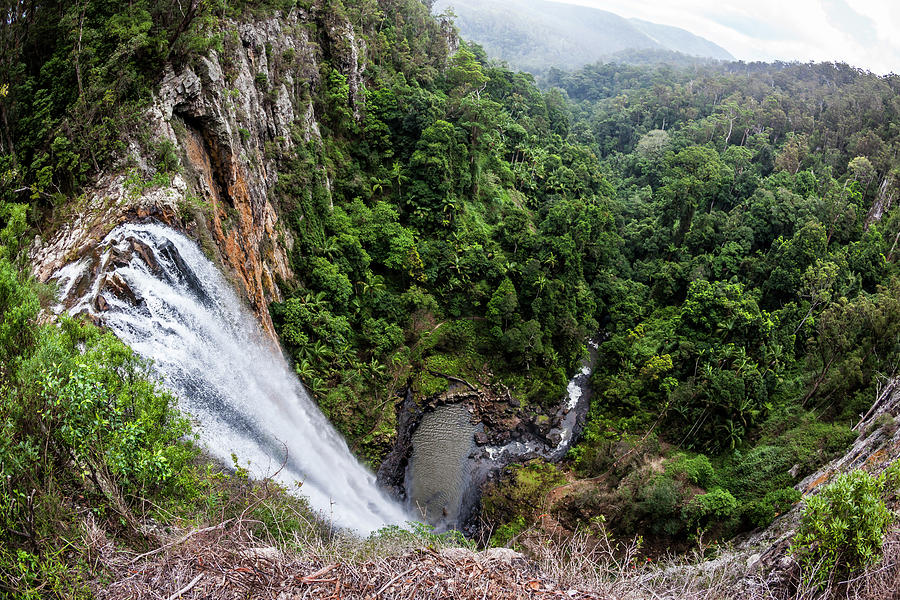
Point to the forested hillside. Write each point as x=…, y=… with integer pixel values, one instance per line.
x=753, y=313
x=730, y=232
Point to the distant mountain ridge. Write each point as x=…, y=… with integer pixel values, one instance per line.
x=681, y=40
x=534, y=35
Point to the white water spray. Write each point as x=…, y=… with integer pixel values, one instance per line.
x=210, y=351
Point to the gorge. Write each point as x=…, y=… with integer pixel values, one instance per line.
x=592, y=316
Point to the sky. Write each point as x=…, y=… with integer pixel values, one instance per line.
x=863, y=33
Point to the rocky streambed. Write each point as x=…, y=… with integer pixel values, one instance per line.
x=450, y=444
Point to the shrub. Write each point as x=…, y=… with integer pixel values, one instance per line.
x=842, y=528
x=662, y=502
x=510, y=502
x=328, y=278
x=697, y=470
x=761, y=469
x=80, y=417
x=762, y=511
x=814, y=443
x=167, y=159
x=704, y=510
x=506, y=532
x=456, y=336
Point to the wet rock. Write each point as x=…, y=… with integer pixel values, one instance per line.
x=110, y=202
x=481, y=438
x=118, y=259
x=168, y=250
x=391, y=473
x=82, y=284
x=100, y=304
x=554, y=437
x=120, y=288
x=146, y=254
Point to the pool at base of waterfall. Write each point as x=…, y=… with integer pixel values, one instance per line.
x=439, y=475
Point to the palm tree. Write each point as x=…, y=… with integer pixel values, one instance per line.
x=374, y=286
x=304, y=370
x=376, y=369
x=449, y=212
x=732, y=433
x=330, y=247
x=314, y=302
x=321, y=352
x=317, y=385
x=398, y=176
x=541, y=282
x=305, y=354
x=741, y=360
x=550, y=261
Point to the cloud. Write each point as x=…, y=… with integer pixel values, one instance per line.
x=862, y=33
x=845, y=18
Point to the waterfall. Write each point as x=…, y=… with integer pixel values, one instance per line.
x=154, y=288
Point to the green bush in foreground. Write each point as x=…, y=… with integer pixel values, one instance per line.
x=842, y=528
x=82, y=426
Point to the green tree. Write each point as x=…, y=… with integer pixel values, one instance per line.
x=464, y=73
x=503, y=307
x=694, y=179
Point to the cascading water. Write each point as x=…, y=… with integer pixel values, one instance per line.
x=179, y=311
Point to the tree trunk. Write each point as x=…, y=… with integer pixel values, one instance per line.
x=78, y=56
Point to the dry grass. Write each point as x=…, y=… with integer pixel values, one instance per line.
x=228, y=562
x=261, y=552
x=620, y=571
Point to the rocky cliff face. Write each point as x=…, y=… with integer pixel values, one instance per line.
x=226, y=116
x=876, y=447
